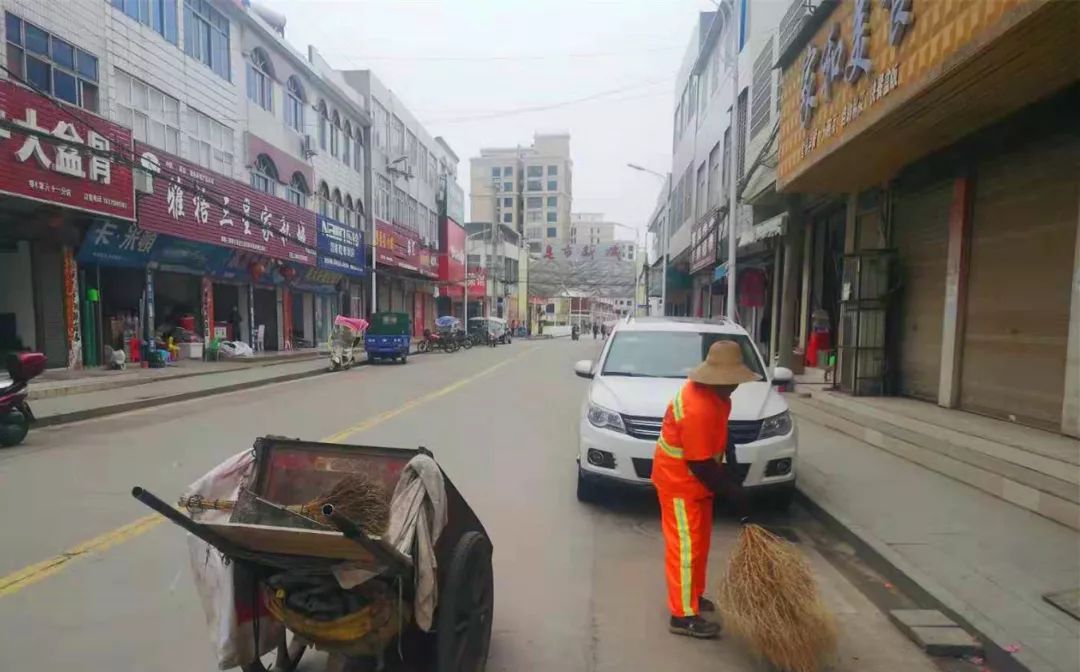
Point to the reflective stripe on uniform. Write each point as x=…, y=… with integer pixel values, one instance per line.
x=671, y=450
x=677, y=407
x=686, y=557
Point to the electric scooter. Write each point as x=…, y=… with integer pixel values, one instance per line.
x=15, y=413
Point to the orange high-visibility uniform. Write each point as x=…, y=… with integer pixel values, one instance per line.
x=695, y=428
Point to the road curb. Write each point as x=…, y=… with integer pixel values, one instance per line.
x=916, y=584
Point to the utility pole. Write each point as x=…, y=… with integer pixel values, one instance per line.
x=733, y=194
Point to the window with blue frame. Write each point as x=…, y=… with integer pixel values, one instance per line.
x=50, y=64
x=206, y=36
x=158, y=14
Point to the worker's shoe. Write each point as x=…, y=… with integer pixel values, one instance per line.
x=705, y=605
x=694, y=626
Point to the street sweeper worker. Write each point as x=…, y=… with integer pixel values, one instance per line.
x=688, y=471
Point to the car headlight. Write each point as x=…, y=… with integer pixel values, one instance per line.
x=777, y=425
x=602, y=417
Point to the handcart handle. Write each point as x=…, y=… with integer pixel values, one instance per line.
x=398, y=562
x=201, y=531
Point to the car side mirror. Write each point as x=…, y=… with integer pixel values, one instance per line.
x=584, y=368
x=782, y=375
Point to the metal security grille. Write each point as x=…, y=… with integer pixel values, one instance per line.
x=761, y=89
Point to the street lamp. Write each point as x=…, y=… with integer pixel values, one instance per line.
x=664, y=242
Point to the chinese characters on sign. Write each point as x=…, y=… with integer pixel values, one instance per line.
x=399, y=247
x=340, y=247
x=197, y=205
x=868, y=84
x=51, y=154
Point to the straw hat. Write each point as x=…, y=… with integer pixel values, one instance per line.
x=723, y=366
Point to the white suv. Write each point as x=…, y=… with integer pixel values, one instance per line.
x=643, y=364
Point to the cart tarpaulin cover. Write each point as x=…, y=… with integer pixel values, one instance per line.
x=229, y=615
x=417, y=518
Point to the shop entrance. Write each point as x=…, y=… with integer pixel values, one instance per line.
x=177, y=302
x=230, y=315
x=266, y=317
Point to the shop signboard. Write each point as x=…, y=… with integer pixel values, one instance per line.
x=618, y=250
x=112, y=243
x=452, y=262
x=195, y=203
x=61, y=155
x=340, y=247
x=400, y=248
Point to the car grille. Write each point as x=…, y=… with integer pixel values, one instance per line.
x=648, y=429
x=643, y=469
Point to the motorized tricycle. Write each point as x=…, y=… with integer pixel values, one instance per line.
x=15, y=413
x=345, y=340
x=388, y=337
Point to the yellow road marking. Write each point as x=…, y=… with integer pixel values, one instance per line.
x=21, y=578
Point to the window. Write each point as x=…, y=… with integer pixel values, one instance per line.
x=669, y=354
x=551, y=232
x=335, y=135
x=508, y=202
x=346, y=144
x=508, y=171
x=702, y=188
x=534, y=202
x=508, y=186
x=411, y=216
x=358, y=150
x=260, y=74
x=51, y=65
x=496, y=172
x=533, y=216
x=158, y=14
x=324, y=123
x=379, y=122
x=338, y=212
x=206, y=36
x=552, y=170
x=552, y=217
x=534, y=171
x=397, y=137
x=508, y=217
x=534, y=232
x=532, y=185
x=552, y=201
x=382, y=198
x=264, y=175
x=410, y=147
x=422, y=163
x=324, y=199
x=553, y=185
x=350, y=213
x=296, y=190
x=714, y=177
x=294, y=105
x=397, y=212
x=152, y=116
x=209, y=142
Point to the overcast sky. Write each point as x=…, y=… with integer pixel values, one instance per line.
x=457, y=63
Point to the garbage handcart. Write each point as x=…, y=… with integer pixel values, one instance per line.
x=301, y=565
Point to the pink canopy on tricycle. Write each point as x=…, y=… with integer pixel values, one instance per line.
x=354, y=323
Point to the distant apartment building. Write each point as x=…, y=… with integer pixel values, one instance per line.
x=529, y=189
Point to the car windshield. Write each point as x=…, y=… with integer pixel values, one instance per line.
x=668, y=354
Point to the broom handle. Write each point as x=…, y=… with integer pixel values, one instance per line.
x=197, y=503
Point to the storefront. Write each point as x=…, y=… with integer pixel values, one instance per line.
x=405, y=275
x=958, y=233
x=56, y=172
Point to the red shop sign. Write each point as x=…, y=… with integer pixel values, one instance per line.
x=54, y=153
x=192, y=202
x=401, y=248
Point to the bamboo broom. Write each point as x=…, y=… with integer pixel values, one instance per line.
x=769, y=599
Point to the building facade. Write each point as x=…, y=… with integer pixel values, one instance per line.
x=946, y=269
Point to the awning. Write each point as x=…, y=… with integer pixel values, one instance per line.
x=770, y=228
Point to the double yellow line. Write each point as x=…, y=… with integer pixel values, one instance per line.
x=27, y=576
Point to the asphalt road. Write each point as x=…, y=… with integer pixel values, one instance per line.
x=98, y=586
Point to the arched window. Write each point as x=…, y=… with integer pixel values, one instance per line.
x=324, y=121
x=346, y=146
x=260, y=75
x=264, y=175
x=324, y=199
x=350, y=214
x=294, y=105
x=358, y=150
x=335, y=135
x=339, y=207
x=297, y=190
x=360, y=214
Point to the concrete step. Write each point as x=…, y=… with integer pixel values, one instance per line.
x=1056, y=497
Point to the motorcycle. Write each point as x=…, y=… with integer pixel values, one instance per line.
x=345, y=341
x=574, y=333
x=15, y=413
x=433, y=341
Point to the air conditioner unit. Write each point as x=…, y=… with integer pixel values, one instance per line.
x=307, y=146
x=144, y=181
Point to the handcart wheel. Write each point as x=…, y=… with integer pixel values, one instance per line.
x=466, y=604
x=288, y=657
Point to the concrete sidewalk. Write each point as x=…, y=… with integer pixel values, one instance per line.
x=977, y=556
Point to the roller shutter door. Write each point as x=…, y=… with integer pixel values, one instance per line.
x=48, y=269
x=1023, y=240
x=920, y=229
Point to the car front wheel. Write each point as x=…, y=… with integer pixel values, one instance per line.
x=781, y=500
x=587, y=490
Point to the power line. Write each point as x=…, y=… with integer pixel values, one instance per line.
x=503, y=58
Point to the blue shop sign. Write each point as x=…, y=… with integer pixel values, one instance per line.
x=187, y=256
x=340, y=247
x=111, y=243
